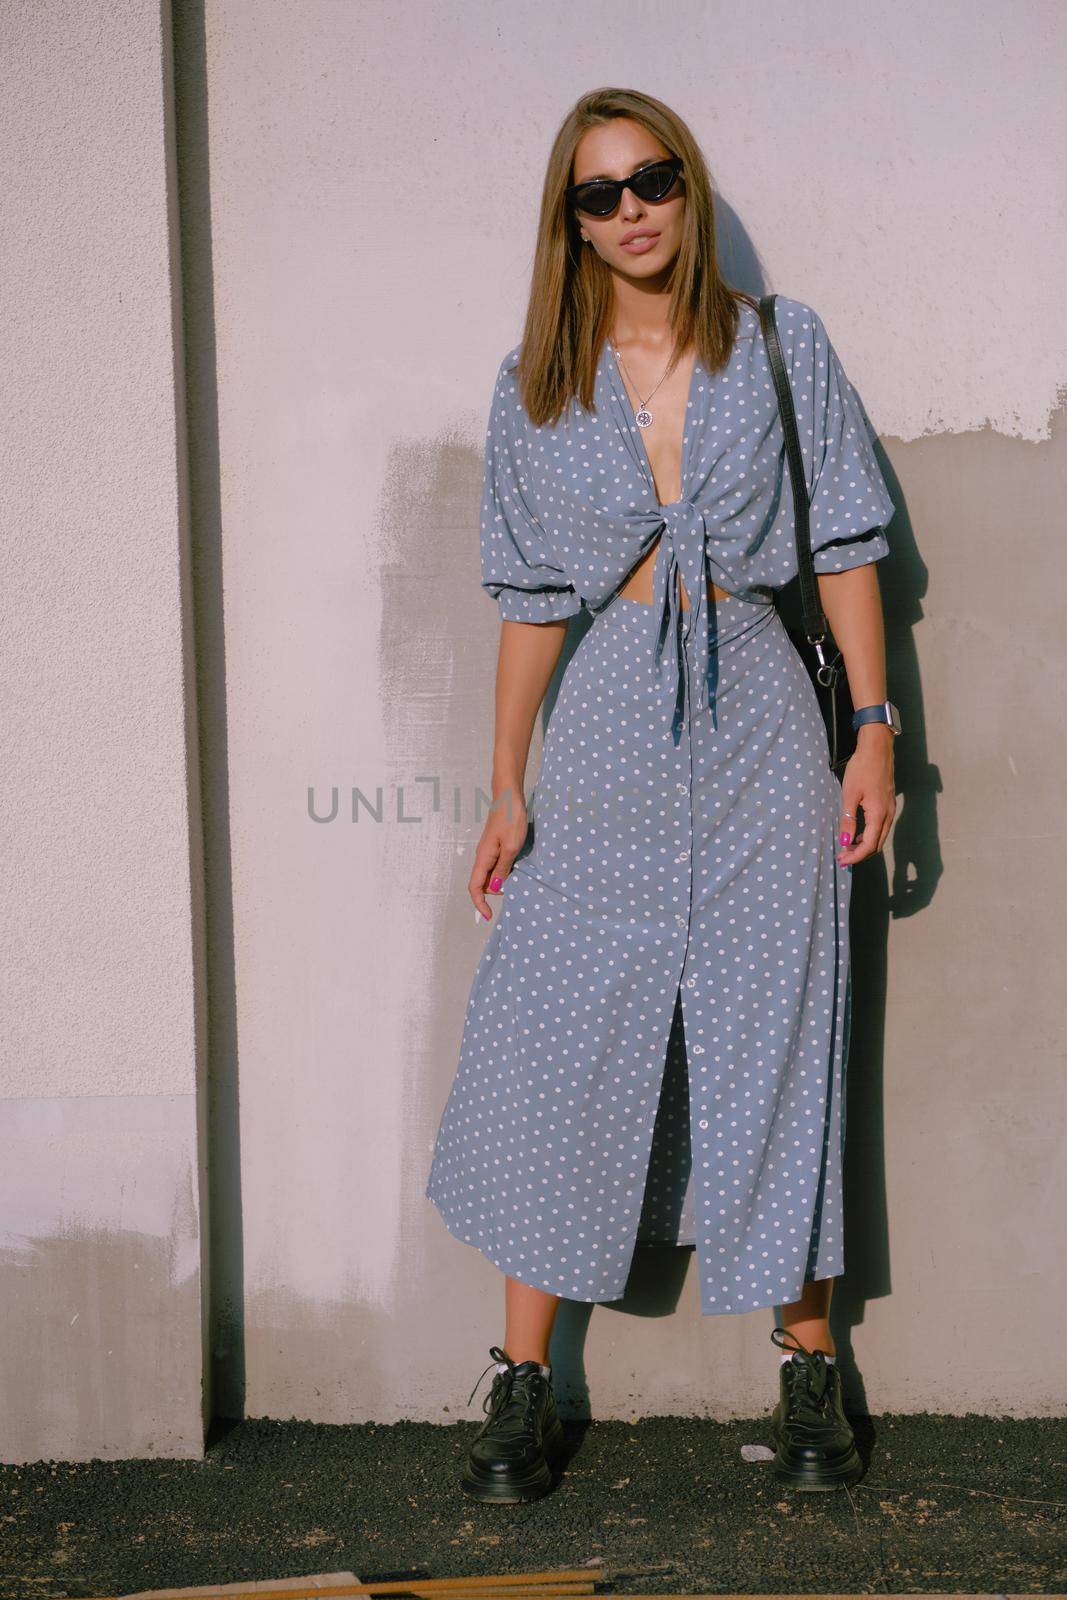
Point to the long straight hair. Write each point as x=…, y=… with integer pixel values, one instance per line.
x=571, y=294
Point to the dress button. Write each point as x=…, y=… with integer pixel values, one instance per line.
x=683, y=788
x=690, y=983
x=702, y=1124
x=684, y=856
x=680, y=921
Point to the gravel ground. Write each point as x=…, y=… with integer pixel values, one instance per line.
x=971, y=1504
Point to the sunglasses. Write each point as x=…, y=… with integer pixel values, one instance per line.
x=600, y=196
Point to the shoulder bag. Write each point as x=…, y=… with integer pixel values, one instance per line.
x=812, y=640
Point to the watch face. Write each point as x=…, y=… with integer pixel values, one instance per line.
x=894, y=716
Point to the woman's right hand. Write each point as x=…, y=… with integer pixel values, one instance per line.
x=502, y=838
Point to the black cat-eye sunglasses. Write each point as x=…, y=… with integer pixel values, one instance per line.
x=600, y=196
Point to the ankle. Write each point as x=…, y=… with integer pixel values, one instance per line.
x=523, y=1353
x=812, y=1338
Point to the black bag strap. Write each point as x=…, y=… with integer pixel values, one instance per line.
x=814, y=616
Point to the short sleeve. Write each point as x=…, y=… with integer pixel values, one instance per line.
x=519, y=567
x=850, y=501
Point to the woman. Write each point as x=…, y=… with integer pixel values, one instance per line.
x=655, y=1040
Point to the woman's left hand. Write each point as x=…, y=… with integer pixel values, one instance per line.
x=868, y=781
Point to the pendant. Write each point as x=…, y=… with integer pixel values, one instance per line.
x=643, y=418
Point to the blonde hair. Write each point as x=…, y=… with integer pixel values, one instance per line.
x=570, y=303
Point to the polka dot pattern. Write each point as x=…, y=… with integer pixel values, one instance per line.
x=655, y=1041
x=567, y=511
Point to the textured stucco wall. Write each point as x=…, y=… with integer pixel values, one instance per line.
x=898, y=170
x=100, y=1235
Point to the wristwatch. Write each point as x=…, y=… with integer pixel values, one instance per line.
x=884, y=711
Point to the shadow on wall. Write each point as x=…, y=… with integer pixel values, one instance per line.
x=224, y=1354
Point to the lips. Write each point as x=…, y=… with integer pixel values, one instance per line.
x=641, y=244
x=637, y=235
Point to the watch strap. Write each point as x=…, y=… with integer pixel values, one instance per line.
x=881, y=712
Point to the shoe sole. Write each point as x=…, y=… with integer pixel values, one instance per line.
x=809, y=1477
x=496, y=1490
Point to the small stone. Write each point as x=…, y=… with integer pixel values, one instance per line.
x=756, y=1452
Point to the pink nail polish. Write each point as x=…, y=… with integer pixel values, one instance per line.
x=846, y=838
x=495, y=883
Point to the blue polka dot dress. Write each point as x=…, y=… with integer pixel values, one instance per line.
x=655, y=1040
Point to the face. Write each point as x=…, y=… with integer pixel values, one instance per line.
x=615, y=149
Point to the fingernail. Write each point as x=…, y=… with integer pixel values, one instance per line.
x=846, y=838
x=495, y=883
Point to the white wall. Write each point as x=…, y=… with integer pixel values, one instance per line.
x=100, y=1175
x=898, y=170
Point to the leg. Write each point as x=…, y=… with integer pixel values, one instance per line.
x=815, y=1447
x=808, y=1318
x=530, y=1316
x=511, y=1456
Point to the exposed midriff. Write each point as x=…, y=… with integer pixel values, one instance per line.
x=638, y=585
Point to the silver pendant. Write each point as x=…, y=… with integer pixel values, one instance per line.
x=643, y=418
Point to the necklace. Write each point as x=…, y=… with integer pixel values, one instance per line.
x=643, y=416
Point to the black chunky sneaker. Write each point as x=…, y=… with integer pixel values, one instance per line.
x=512, y=1454
x=814, y=1444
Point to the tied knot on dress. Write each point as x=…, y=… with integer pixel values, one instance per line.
x=684, y=533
